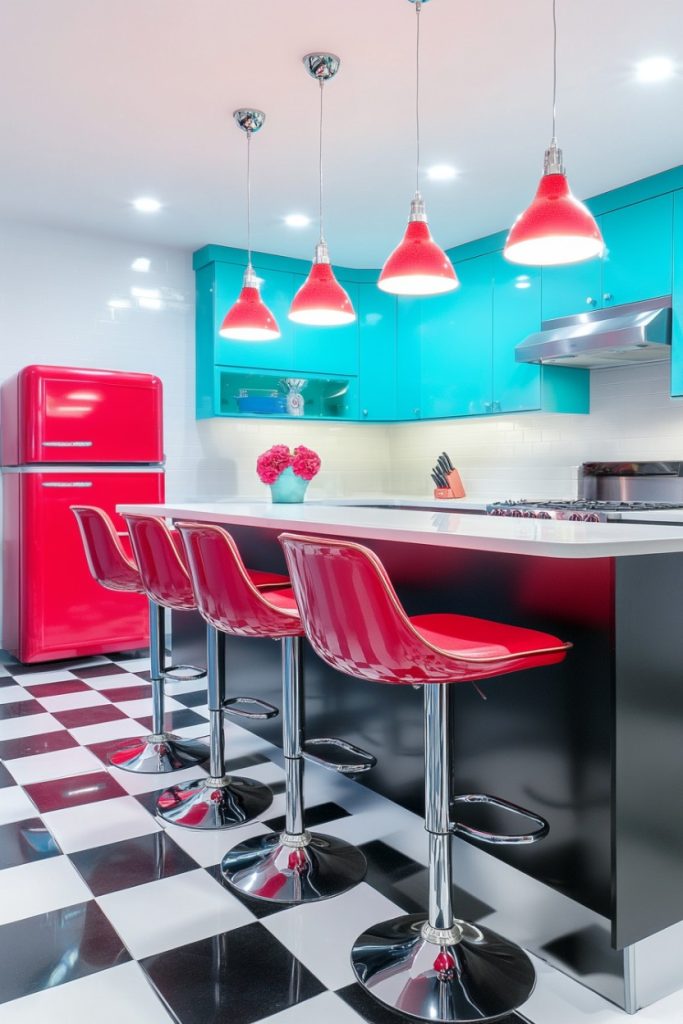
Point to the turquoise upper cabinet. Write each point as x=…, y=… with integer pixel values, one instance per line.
x=572, y=289
x=677, y=294
x=639, y=251
x=457, y=336
x=516, y=314
x=377, y=323
x=276, y=291
x=325, y=349
x=408, y=358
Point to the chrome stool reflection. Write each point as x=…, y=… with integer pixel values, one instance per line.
x=296, y=866
x=218, y=800
x=430, y=966
x=110, y=566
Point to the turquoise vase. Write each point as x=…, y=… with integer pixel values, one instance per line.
x=289, y=487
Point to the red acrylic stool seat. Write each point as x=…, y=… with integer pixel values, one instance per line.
x=107, y=560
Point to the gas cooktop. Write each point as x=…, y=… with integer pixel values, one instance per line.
x=579, y=509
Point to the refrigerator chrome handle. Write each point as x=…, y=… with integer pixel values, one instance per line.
x=66, y=483
x=67, y=444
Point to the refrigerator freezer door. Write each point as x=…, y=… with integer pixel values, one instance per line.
x=65, y=414
x=53, y=607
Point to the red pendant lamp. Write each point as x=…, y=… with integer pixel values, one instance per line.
x=418, y=266
x=249, y=319
x=321, y=301
x=556, y=228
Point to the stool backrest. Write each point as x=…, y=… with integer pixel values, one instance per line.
x=159, y=554
x=108, y=562
x=226, y=596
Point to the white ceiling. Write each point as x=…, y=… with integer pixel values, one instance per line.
x=106, y=100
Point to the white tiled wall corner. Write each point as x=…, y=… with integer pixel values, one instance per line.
x=536, y=455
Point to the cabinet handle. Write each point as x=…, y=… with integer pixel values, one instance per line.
x=67, y=483
x=590, y=301
x=67, y=444
x=365, y=412
x=416, y=412
x=607, y=297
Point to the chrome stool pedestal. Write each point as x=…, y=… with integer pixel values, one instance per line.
x=297, y=866
x=161, y=751
x=436, y=967
x=217, y=801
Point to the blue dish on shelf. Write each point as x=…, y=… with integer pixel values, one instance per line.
x=261, y=404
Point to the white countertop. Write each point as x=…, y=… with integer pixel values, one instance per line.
x=542, y=537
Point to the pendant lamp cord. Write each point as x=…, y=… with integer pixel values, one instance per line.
x=554, y=137
x=418, y=8
x=320, y=162
x=249, y=199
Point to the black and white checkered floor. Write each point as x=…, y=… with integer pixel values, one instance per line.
x=107, y=916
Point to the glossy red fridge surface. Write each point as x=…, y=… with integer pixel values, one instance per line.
x=59, y=611
x=68, y=414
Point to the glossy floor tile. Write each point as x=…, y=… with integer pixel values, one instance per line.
x=107, y=821
x=68, y=701
x=131, y=862
x=56, y=764
x=35, y=723
x=58, y=689
x=204, y=982
x=15, y=805
x=39, y=887
x=75, y=718
x=98, y=671
x=22, y=842
x=13, y=694
x=56, y=794
x=175, y=720
x=40, y=743
x=127, y=692
x=6, y=777
x=19, y=709
x=120, y=728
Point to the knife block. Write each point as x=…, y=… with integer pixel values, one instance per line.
x=455, y=488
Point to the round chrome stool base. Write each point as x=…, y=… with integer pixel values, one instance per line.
x=483, y=977
x=267, y=868
x=158, y=754
x=214, y=803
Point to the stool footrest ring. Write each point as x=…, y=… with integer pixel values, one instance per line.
x=183, y=673
x=233, y=706
x=314, y=750
x=495, y=838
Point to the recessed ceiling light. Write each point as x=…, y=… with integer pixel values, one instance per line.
x=297, y=220
x=146, y=204
x=655, y=69
x=119, y=303
x=142, y=264
x=441, y=172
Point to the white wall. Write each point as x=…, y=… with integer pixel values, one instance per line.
x=536, y=455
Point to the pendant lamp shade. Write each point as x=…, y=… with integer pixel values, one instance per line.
x=249, y=319
x=417, y=266
x=554, y=229
x=321, y=301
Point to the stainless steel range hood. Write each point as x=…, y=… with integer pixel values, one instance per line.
x=637, y=333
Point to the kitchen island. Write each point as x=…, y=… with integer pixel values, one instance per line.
x=593, y=744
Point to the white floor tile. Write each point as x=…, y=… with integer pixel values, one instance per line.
x=318, y=933
x=135, y=664
x=326, y=1007
x=143, y=707
x=4, y=671
x=173, y=688
x=114, y=681
x=56, y=765
x=39, y=887
x=11, y=694
x=209, y=848
x=120, y=728
x=172, y=912
x=135, y=783
x=108, y=997
x=39, y=678
x=15, y=805
x=96, y=824
x=28, y=725
x=66, y=701
x=194, y=732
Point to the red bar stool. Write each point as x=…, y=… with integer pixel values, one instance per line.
x=216, y=801
x=434, y=967
x=112, y=568
x=296, y=866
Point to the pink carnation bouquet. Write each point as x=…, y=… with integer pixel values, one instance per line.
x=304, y=462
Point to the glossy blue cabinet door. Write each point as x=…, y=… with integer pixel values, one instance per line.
x=572, y=289
x=408, y=358
x=516, y=314
x=276, y=291
x=326, y=349
x=377, y=322
x=677, y=293
x=639, y=251
x=457, y=340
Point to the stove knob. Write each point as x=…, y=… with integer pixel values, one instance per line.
x=497, y=512
x=575, y=517
x=517, y=513
x=592, y=517
x=543, y=515
x=529, y=513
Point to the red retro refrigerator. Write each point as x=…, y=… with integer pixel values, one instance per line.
x=72, y=436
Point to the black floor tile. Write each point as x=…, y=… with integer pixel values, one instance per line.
x=313, y=816
x=374, y=1013
x=7, y=681
x=24, y=841
x=234, y=764
x=131, y=862
x=124, y=656
x=242, y=975
x=5, y=778
x=56, y=794
x=95, y=671
x=41, y=743
x=196, y=699
x=19, y=709
x=259, y=908
x=176, y=720
x=51, y=949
